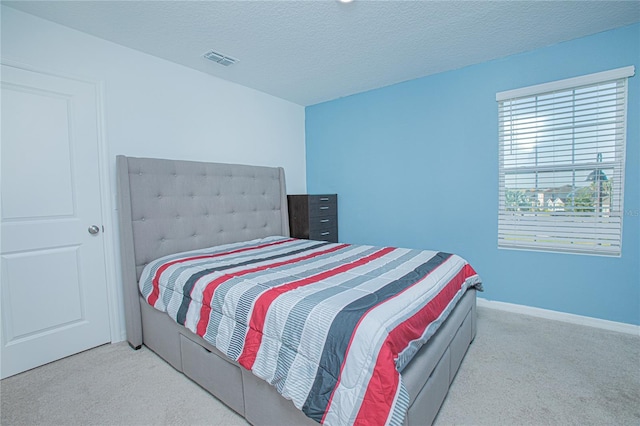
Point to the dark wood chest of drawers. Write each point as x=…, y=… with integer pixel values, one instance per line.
x=314, y=217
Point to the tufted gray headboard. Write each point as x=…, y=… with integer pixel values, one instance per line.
x=171, y=206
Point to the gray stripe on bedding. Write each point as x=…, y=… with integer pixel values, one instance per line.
x=246, y=261
x=198, y=265
x=147, y=281
x=245, y=305
x=300, y=313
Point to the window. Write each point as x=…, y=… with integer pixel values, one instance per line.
x=561, y=165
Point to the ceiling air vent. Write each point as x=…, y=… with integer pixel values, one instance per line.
x=220, y=58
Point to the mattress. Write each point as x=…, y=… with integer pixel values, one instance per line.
x=330, y=326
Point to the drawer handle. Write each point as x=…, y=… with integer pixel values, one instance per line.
x=324, y=207
x=324, y=220
x=324, y=199
x=325, y=233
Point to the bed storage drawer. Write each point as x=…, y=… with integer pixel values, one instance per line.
x=265, y=406
x=212, y=372
x=436, y=388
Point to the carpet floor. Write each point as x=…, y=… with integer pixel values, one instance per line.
x=520, y=370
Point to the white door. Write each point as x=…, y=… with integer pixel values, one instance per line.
x=53, y=289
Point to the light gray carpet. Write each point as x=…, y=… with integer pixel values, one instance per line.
x=520, y=370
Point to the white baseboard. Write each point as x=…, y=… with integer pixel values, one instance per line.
x=620, y=327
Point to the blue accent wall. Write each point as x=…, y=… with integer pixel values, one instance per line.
x=416, y=165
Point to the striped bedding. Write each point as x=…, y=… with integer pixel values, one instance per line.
x=331, y=326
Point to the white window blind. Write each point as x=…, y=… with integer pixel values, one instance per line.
x=561, y=165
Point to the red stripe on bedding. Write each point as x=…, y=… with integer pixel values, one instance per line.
x=155, y=293
x=210, y=289
x=382, y=387
x=253, y=340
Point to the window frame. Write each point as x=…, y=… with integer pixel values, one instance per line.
x=538, y=230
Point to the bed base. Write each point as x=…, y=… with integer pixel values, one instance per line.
x=427, y=377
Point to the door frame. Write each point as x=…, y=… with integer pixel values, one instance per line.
x=114, y=291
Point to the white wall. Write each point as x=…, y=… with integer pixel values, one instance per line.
x=155, y=108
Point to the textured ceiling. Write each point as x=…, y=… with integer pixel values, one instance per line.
x=313, y=51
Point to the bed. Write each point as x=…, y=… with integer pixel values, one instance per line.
x=176, y=213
